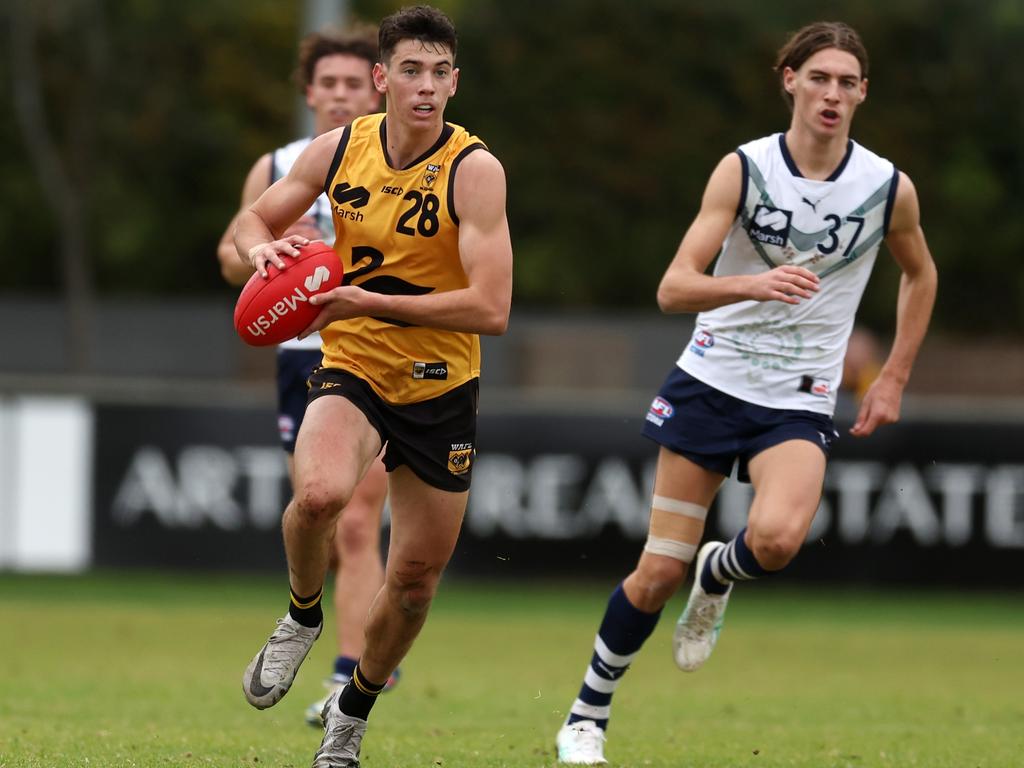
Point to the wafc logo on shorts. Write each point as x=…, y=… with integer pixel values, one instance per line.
x=460, y=458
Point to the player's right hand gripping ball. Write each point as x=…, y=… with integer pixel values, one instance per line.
x=276, y=308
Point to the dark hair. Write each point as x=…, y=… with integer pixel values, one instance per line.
x=418, y=22
x=360, y=41
x=815, y=37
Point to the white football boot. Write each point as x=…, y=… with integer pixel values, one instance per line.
x=342, y=737
x=314, y=712
x=581, y=743
x=270, y=674
x=701, y=621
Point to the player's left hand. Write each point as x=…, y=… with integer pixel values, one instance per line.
x=881, y=405
x=342, y=303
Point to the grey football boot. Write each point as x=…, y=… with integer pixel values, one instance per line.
x=342, y=737
x=270, y=674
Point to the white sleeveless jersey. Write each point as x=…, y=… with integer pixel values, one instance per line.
x=281, y=161
x=791, y=356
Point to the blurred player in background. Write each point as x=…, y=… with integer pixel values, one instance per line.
x=797, y=219
x=419, y=215
x=335, y=74
x=861, y=366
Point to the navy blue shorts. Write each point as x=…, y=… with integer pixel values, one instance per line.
x=716, y=430
x=294, y=367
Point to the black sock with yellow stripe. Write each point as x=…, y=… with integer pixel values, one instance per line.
x=359, y=695
x=307, y=610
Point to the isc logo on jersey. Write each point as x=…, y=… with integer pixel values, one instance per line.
x=660, y=410
x=770, y=225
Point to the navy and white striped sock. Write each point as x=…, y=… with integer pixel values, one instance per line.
x=623, y=631
x=733, y=562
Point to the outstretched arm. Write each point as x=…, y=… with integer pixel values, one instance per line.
x=485, y=250
x=685, y=287
x=881, y=404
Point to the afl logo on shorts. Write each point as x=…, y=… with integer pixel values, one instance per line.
x=286, y=427
x=460, y=458
x=702, y=341
x=660, y=410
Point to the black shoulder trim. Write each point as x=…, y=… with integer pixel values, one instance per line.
x=842, y=164
x=446, y=133
x=383, y=133
x=790, y=163
x=451, y=177
x=743, y=182
x=339, y=155
x=890, y=201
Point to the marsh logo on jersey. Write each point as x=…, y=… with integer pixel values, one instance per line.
x=345, y=194
x=702, y=340
x=770, y=225
x=460, y=457
x=430, y=371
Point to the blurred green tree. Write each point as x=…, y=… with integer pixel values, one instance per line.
x=608, y=117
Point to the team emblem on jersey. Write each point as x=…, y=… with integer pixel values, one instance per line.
x=460, y=457
x=770, y=225
x=430, y=176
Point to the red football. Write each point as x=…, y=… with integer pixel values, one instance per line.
x=276, y=308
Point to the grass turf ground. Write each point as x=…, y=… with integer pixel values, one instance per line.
x=145, y=670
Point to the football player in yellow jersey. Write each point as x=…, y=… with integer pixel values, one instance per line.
x=335, y=74
x=419, y=210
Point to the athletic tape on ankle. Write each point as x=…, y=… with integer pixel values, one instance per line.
x=677, y=550
x=677, y=507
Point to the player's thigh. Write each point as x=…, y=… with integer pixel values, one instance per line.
x=787, y=480
x=681, y=488
x=335, y=448
x=425, y=521
x=359, y=526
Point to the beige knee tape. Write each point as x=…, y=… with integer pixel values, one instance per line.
x=677, y=550
x=676, y=528
x=677, y=507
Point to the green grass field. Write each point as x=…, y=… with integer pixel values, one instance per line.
x=145, y=670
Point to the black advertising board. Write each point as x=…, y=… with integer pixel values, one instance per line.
x=188, y=488
x=563, y=493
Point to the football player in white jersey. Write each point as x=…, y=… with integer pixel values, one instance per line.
x=797, y=219
x=335, y=74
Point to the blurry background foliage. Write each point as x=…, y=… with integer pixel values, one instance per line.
x=608, y=118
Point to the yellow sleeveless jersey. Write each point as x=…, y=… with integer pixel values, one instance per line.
x=398, y=234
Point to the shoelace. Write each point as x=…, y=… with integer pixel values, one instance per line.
x=281, y=647
x=702, y=620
